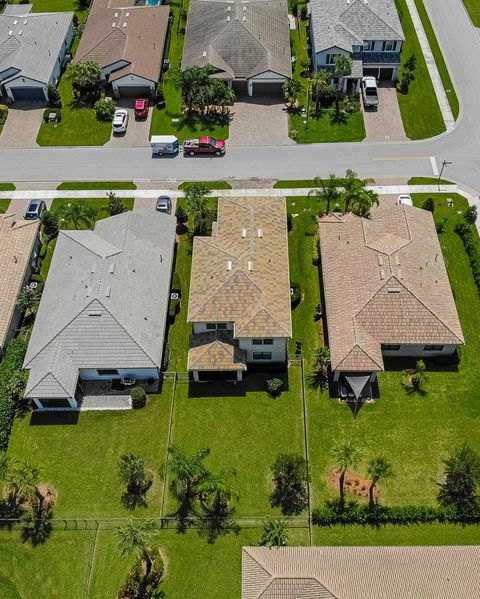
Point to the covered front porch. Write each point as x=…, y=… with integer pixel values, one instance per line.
x=215, y=355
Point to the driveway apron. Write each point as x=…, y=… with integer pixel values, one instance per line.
x=22, y=125
x=384, y=123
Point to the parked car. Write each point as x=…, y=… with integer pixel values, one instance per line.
x=164, y=144
x=164, y=204
x=204, y=145
x=35, y=209
x=141, y=108
x=405, y=199
x=369, y=92
x=120, y=121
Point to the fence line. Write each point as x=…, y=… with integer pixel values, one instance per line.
x=169, y=436
x=90, y=562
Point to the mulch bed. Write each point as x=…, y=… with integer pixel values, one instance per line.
x=354, y=485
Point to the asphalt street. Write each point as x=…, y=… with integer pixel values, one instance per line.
x=461, y=47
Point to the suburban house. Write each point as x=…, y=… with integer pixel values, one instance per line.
x=240, y=290
x=450, y=572
x=386, y=290
x=32, y=49
x=127, y=40
x=247, y=43
x=369, y=31
x=19, y=245
x=101, y=323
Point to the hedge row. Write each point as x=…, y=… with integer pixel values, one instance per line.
x=472, y=248
x=355, y=513
x=9, y=369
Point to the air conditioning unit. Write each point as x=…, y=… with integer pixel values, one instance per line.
x=174, y=296
x=128, y=381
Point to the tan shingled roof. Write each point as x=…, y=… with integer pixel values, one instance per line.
x=215, y=350
x=385, y=282
x=244, y=279
x=140, y=42
x=16, y=244
x=361, y=572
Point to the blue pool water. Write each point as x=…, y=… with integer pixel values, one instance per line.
x=153, y=2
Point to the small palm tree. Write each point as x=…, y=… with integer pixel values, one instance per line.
x=77, y=213
x=343, y=68
x=292, y=88
x=346, y=456
x=29, y=298
x=320, y=86
x=416, y=377
x=327, y=191
x=216, y=491
x=364, y=201
x=379, y=470
x=21, y=481
x=133, y=540
x=274, y=533
x=196, y=199
x=354, y=190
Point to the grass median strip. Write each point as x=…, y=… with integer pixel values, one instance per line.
x=107, y=185
x=209, y=184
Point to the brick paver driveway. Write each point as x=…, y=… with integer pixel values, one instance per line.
x=138, y=132
x=385, y=123
x=260, y=121
x=22, y=125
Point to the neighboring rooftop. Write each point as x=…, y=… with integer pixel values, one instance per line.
x=385, y=282
x=31, y=42
x=361, y=572
x=240, y=39
x=117, y=30
x=346, y=23
x=17, y=239
x=105, y=302
x=240, y=274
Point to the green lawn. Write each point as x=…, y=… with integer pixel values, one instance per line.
x=209, y=184
x=7, y=187
x=54, y=6
x=107, y=185
x=473, y=9
x=439, y=60
x=4, y=204
x=428, y=181
x=324, y=130
x=419, y=108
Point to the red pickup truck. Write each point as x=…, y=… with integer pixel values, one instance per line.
x=204, y=145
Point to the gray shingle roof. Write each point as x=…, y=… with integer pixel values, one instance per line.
x=240, y=39
x=31, y=42
x=337, y=23
x=105, y=302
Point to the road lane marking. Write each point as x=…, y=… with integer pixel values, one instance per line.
x=434, y=165
x=402, y=158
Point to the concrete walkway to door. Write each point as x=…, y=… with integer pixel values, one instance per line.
x=259, y=121
x=22, y=125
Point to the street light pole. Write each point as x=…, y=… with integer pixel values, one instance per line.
x=444, y=164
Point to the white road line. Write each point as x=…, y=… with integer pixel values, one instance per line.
x=434, y=165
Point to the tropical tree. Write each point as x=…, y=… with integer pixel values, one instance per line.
x=104, y=109
x=290, y=481
x=274, y=533
x=77, y=213
x=215, y=491
x=133, y=540
x=320, y=367
x=429, y=204
x=194, y=83
x=355, y=192
x=21, y=481
x=327, y=191
x=343, y=68
x=219, y=94
x=50, y=223
x=131, y=470
x=462, y=477
x=364, y=200
x=347, y=455
x=29, y=298
x=416, y=377
x=470, y=215
x=292, y=88
x=115, y=204
x=84, y=75
x=5, y=463
x=321, y=86
x=379, y=470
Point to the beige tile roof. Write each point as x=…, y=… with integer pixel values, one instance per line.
x=240, y=274
x=215, y=350
x=140, y=42
x=385, y=282
x=361, y=572
x=17, y=238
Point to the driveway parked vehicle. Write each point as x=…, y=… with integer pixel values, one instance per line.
x=405, y=199
x=35, y=209
x=120, y=121
x=369, y=92
x=164, y=204
x=204, y=145
x=141, y=108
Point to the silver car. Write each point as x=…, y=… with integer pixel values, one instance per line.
x=120, y=121
x=164, y=204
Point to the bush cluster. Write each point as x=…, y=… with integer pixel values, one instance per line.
x=472, y=248
x=316, y=249
x=3, y=113
x=143, y=586
x=295, y=294
x=176, y=283
x=10, y=369
x=274, y=386
x=138, y=397
x=173, y=310
x=104, y=109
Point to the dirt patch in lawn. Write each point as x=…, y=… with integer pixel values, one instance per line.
x=354, y=485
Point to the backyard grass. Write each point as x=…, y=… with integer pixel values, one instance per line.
x=428, y=181
x=439, y=60
x=4, y=204
x=473, y=9
x=419, y=107
x=209, y=184
x=54, y=6
x=107, y=185
x=7, y=187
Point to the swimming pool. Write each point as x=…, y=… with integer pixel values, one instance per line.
x=153, y=2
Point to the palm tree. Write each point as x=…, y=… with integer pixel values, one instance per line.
x=416, y=377
x=379, y=470
x=320, y=86
x=194, y=83
x=346, y=456
x=84, y=75
x=327, y=191
x=343, y=68
x=133, y=539
x=215, y=491
x=274, y=533
x=77, y=213
x=21, y=481
x=292, y=88
x=354, y=189
x=364, y=201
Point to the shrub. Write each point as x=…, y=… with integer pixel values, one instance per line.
x=181, y=214
x=9, y=368
x=295, y=294
x=138, y=397
x=290, y=483
x=289, y=222
x=143, y=586
x=54, y=100
x=470, y=215
x=429, y=205
x=50, y=226
x=176, y=283
x=274, y=386
x=440, y=226
x=115, y=204
x=48, y=111
x=173, y=309
x=472, y=248
x=3, y=113
x=316, y=249
x=104, y=109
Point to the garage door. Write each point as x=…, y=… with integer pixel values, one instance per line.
x=134, y=91
x=28, y=93
x=267, y=89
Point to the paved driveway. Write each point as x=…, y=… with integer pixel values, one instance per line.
x=19, y=207
x=22, y=125
x=385, y=123
x=260, y=121
x=138, y=132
